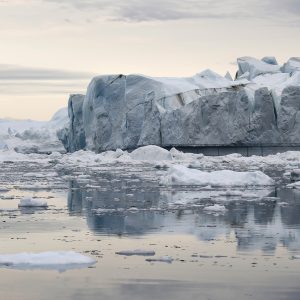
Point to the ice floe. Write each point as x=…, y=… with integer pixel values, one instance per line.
x=63, y=260
x=181, y=175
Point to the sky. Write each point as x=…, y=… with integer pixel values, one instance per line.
x=52, y=48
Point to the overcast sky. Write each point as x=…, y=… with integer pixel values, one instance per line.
x=50, y=48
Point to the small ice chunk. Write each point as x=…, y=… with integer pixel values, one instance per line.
x=151, y=153
x=46, y=260
x=138, y=252
x=29, y=202
x=165, y=259
x=215, y=208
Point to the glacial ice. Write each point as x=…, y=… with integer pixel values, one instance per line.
x=292, y=65
x=62, y=260
x=125, y=112
x=255, y=67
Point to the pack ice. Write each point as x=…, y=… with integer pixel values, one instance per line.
x=260, y=107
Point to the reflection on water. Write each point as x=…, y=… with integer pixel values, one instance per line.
x=257, y=225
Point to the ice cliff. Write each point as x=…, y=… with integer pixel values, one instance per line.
x=260, y=107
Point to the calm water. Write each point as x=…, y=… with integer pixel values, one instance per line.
x=245, y=253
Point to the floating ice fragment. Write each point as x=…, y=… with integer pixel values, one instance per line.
x=165, y=259
x=29, y=202
x=46, y=260
x=151, y=153
x=138, y=252
x=181, y=175
x=215, y=208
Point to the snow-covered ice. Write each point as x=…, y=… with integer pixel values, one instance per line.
x=62, y=260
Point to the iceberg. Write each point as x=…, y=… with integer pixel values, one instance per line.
x=29, y=136
x=259, y=108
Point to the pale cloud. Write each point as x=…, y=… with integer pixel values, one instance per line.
x=15, y=72
x=166, y=10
